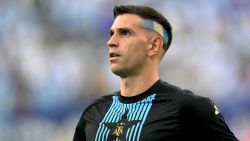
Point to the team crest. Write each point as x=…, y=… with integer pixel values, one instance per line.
x=124, y=122
x=119, y=129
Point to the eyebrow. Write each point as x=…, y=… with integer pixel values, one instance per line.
x=111, y=31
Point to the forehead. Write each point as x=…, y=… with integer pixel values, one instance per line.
x=127, y=20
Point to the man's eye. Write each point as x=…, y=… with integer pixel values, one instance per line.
x=125, y=33
x=111, y=33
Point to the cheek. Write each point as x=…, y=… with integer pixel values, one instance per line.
x=137, y=55
x=137, y=48
x=140, y=45
x=141, y=49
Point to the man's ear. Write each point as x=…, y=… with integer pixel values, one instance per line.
x=155, y=46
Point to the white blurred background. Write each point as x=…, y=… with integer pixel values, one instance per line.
x=54, y=62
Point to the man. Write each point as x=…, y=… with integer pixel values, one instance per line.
x=146, y=108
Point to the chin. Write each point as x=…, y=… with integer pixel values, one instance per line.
x=118, y=72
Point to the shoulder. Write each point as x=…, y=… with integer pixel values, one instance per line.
x=92, y=114
x=191, y=99
x=198, y=108
x=169, y=90
x=187, y=101
x=100, y=103
x=96, y=109
x=199, y=117
x=183, y=96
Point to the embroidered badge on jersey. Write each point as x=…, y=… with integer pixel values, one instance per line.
x=124, y=122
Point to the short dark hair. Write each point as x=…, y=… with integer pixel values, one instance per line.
x=146, y=13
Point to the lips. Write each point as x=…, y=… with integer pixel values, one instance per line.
x=112, y=55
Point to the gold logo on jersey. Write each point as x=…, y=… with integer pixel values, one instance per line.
x=119, y=129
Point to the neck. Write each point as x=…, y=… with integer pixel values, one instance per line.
x=134, y=85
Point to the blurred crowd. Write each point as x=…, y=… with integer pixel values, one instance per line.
x=53, y=61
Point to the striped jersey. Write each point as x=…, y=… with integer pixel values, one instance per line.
x=162, y=113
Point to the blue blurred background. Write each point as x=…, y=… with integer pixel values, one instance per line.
x=53, y=61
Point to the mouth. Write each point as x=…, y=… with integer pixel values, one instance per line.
x=113, y=55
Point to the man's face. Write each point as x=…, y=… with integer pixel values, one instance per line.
x=128, y=45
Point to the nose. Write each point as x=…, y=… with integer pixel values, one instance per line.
x=112, y=42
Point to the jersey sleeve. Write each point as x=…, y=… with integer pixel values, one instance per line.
x=89, y=117
x=80, y=131
x=203, y=120
x=87, y=126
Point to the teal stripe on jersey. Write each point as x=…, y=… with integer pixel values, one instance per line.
x=147, y=110
x=138, y=107
x=101, y=125
x=133, y=115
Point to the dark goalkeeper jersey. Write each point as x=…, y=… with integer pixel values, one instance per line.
x=162, y=113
